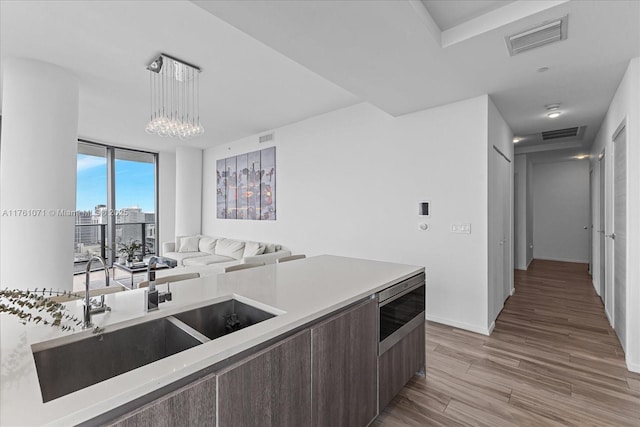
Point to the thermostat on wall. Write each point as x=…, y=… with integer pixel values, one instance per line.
x=423, y=208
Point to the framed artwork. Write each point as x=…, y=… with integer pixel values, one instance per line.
x=246, y=186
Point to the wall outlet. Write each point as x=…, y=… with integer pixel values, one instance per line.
x=461, y=228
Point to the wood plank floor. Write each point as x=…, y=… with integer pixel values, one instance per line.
x=552, y=360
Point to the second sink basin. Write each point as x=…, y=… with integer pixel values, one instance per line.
x=216, y=320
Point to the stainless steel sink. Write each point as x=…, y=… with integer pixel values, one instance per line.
x=223, y=318
x=64, y=367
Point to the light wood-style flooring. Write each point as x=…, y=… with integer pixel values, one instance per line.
x=552, y=360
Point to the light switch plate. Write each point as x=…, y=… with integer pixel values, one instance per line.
x=461, y=228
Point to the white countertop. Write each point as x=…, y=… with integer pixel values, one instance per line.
x=302, y=291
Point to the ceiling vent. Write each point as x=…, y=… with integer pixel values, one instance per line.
x=540, y=35
x=265, y=138
x=573, y=133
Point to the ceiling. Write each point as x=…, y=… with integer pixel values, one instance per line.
x=270, y=63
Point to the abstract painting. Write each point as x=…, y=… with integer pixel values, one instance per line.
x=246, y=186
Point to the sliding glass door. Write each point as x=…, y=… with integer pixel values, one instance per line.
x=115, y=202
x=135, y=199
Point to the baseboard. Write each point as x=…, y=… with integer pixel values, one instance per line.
x=491, y=327
x=633, y=367
x=608, y=316
x=460, y=325
x=576, y=261
x=595, y=288
x=529, y=263
x=513, y=291
x=521, y=269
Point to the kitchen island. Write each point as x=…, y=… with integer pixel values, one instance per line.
x=300, y=294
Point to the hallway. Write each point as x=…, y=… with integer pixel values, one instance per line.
x=552, y=359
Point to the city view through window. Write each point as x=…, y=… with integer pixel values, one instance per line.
x=132, y=212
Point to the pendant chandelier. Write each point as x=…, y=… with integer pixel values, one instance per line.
x=175, y=98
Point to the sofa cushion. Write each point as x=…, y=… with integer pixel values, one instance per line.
x=269, y=248
x=207, y=244
x=189, y=244
x=253, y=249
x=181, y=256
x=229, y=247
x=207, y=260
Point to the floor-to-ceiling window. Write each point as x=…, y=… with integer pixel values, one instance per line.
x=116, y=200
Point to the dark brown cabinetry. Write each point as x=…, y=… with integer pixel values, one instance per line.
x=269, y=388
x=328, y=374
x=400, y=363
x=192, y=405
x=344, y=357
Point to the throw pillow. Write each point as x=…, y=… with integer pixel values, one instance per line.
x=189, y=244
x=229, y=247
x=207, y=244
x=253, y=249
x=269, y=248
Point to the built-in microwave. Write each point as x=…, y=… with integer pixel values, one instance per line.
x=400, y=309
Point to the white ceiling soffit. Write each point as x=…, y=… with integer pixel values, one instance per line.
x=509, y=13
x=245, y=86
x=549, y=147
x=559, y=154
x=462, y=11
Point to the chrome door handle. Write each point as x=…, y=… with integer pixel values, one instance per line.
x=585, y=227
x=612, y=236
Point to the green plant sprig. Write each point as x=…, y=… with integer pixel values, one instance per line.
x=35, y=306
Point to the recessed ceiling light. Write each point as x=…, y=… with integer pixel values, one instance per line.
x=543, y=69
x=553, y=115
x=516, y=140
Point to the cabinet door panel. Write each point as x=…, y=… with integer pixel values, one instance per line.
x=400, y=363
x=270, y=388
x=344, y=359
x=192, y=405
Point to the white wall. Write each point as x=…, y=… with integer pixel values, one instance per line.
x=561, y=210
x=38, y=175
x=188, y=191
x=166, y=197
x=520, y=249
x=625, y=106
x=349, y=182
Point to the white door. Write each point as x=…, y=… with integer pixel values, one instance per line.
x=619, y=236
x=505, y=167
x=590, y=226
x=601, y=233
x=500, y=224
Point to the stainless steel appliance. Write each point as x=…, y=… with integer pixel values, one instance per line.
x=400, y=309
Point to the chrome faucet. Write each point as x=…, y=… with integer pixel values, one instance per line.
x=91, y=306
x=151, y=267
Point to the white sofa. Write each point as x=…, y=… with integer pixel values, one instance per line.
x=207, y=254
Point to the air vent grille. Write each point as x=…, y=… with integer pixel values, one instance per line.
x=265, y=138
x=560, y=133
x=540, y=35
